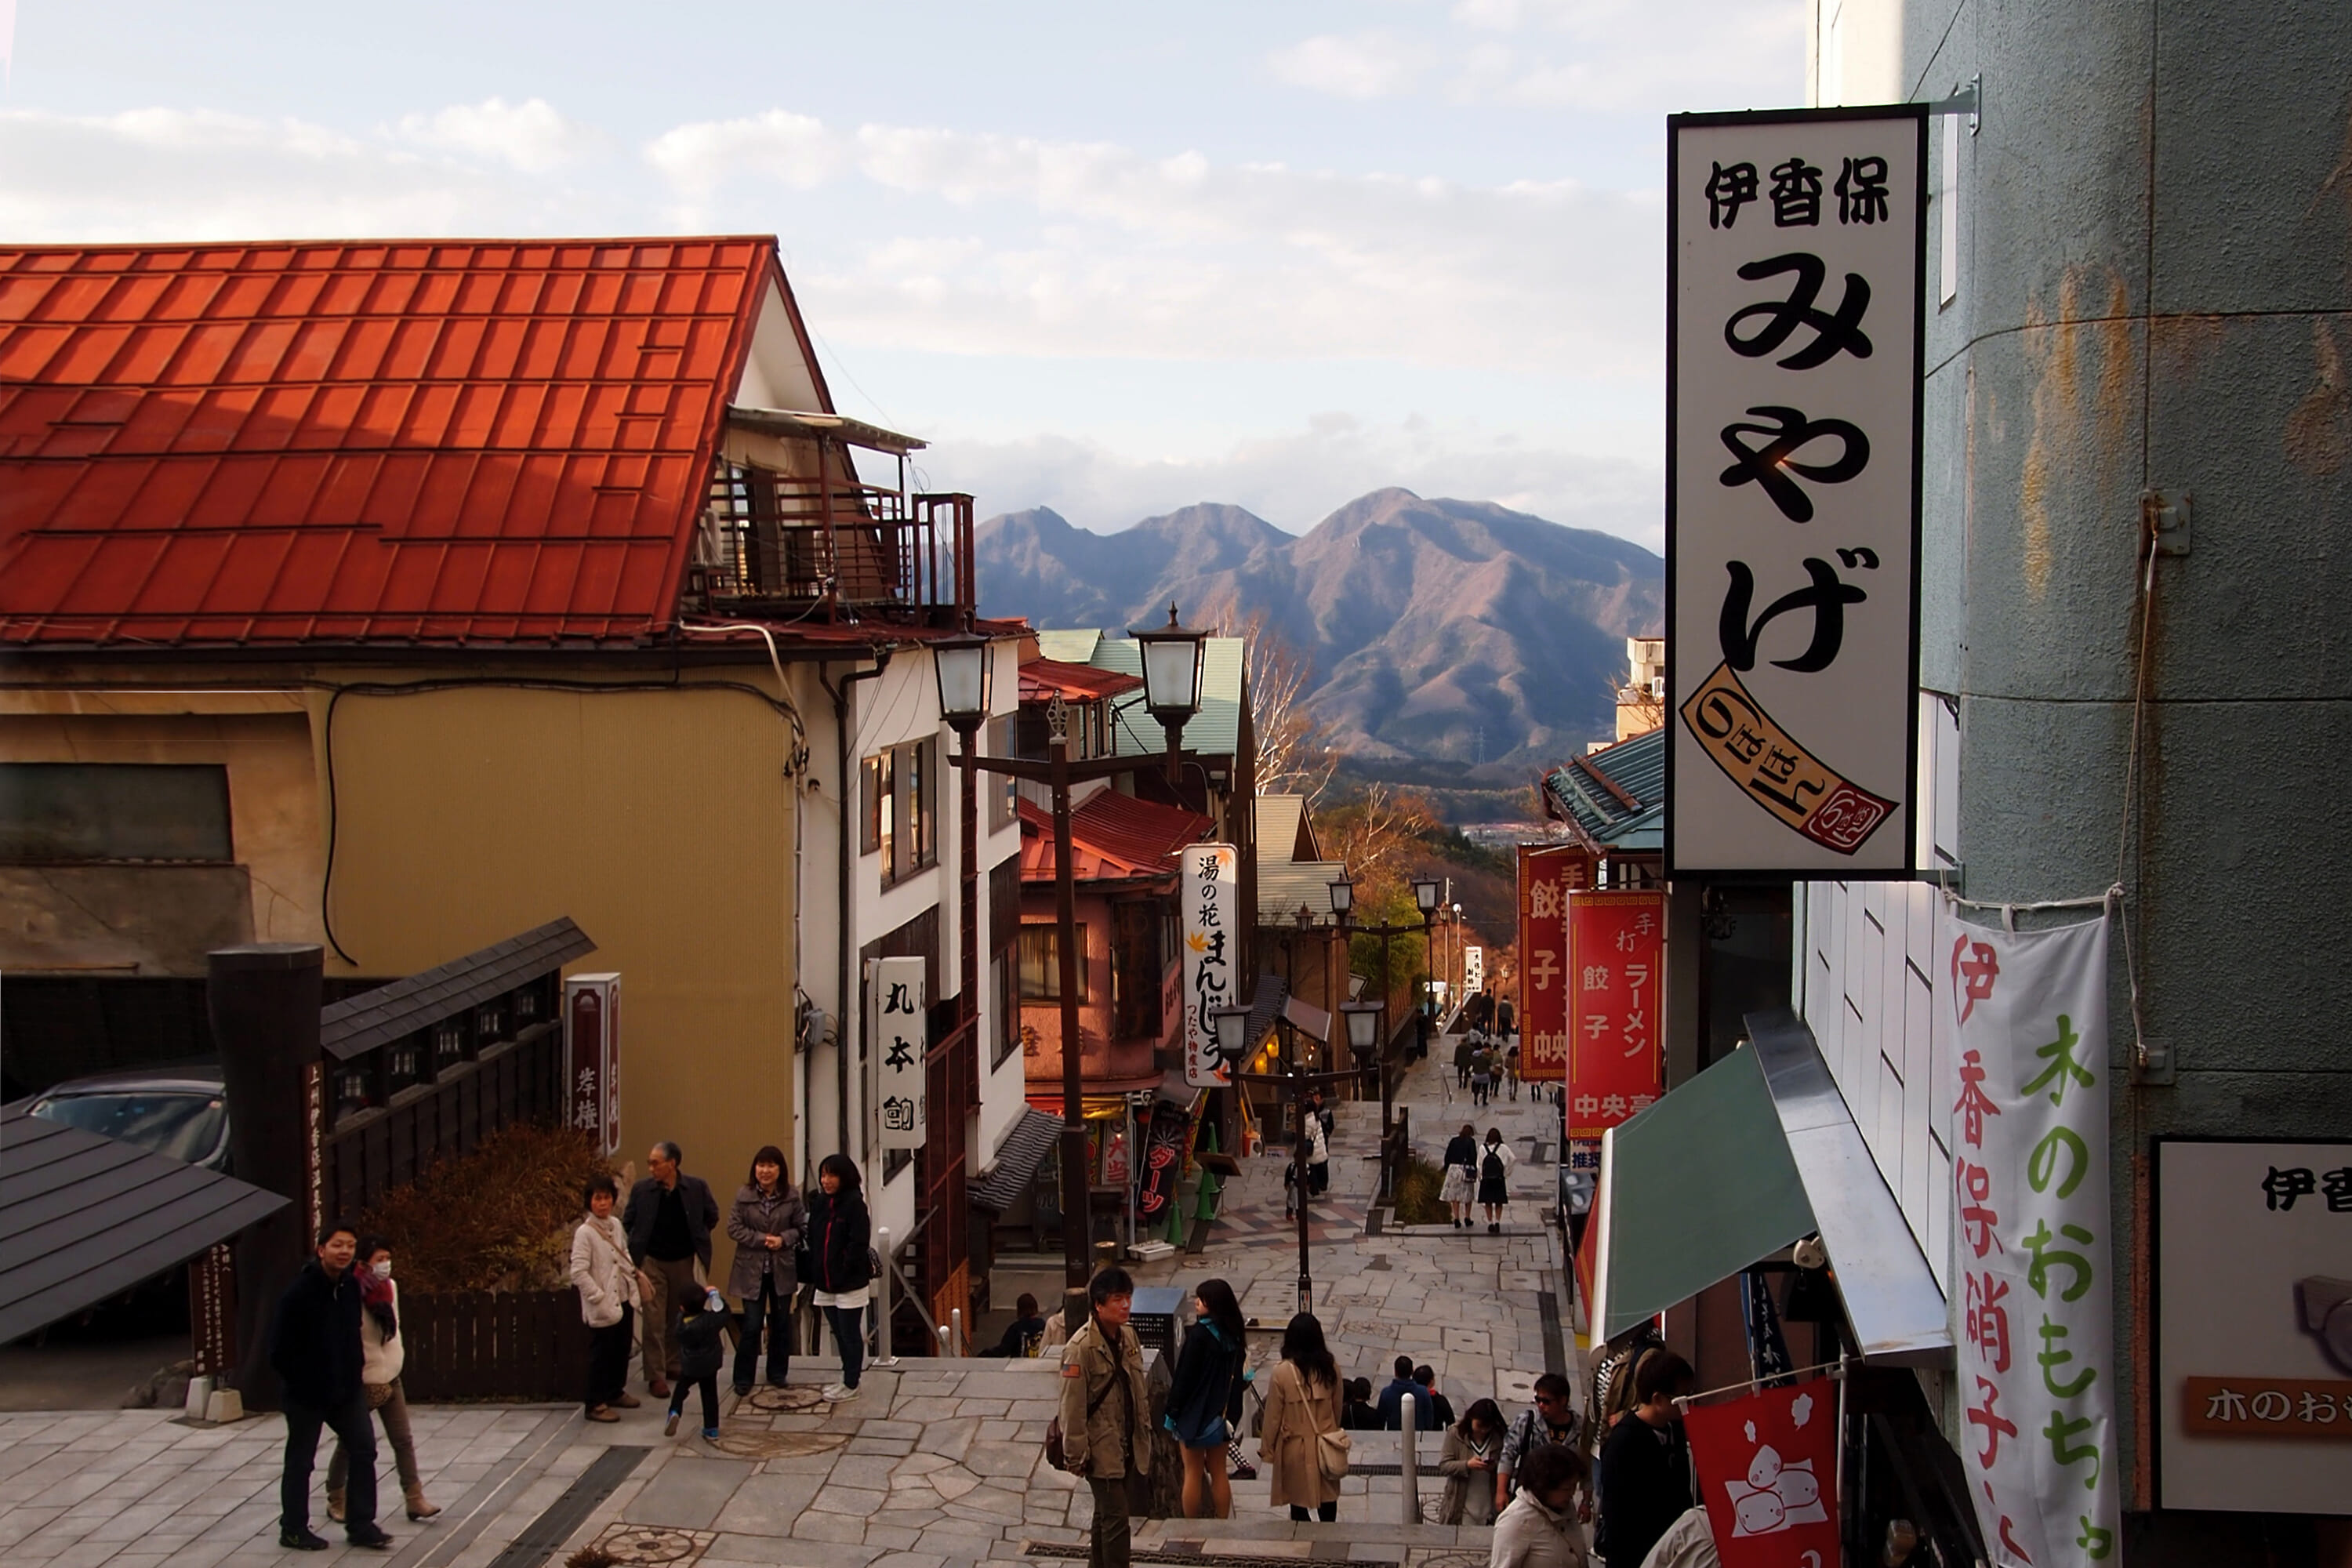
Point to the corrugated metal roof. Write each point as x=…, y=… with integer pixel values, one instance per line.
x=1284, y=885
x=1112, y=836
x=475, y=441
x=1026, y=1149
x=1215, y=731
x=376, y=1018
x=89, y=1216
x=1278, y=819
x=1637, y=767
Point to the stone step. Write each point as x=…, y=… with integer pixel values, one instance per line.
x=1272, y=1542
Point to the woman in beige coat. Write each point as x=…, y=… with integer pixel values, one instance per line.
x=1301, y=1402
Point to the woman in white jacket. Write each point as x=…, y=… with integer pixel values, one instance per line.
x=610, y=1295
x=383, y=1355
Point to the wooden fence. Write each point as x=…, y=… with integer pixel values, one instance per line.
x=520, y=1345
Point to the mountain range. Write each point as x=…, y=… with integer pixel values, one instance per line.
x=1436, y=631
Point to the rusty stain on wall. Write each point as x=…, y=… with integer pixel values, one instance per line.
x=2070, y=437
x=2319, y=431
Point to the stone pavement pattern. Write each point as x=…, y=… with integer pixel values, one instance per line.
x=936, y=1465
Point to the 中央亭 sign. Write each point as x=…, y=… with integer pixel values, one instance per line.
x=1796, y=256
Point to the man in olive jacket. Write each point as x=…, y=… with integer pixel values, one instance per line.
x=1107, y=1412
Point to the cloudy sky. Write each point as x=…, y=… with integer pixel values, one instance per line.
x=1109, y=258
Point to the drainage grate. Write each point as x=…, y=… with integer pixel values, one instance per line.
x=1555, y=1342
x=567, y=1513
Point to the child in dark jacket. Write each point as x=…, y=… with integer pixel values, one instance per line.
x=703, y=1340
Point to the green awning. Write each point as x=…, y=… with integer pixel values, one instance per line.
x=1693, y=1189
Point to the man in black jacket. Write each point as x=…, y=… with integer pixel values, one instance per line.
x=669, y=1219
x=314, y=1349
x=1646, y=1467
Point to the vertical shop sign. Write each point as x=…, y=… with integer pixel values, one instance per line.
x=1616, y=974
x=1547, y=877
x=1474, y=971
x=1768, y=1473
x=314, y=1144
x=1210, y=890
x=2028, y=1015
x=591, y=1055
x=895, y=1005
x=1796, y=258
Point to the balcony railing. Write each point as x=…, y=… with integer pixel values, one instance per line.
x=797, y=546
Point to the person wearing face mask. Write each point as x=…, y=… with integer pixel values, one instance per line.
x=381, y=1355
x=314, y=1349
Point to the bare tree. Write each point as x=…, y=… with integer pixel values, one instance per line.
x=1295, y=751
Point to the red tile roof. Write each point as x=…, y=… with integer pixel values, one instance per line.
x=1112, y=836
x=1042, y=678
x=446, y=442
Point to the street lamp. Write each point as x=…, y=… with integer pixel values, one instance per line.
x=1343, y=897
x=961, y=666
x=1363, y=1026
x=1172, y=657
x=1427, y=893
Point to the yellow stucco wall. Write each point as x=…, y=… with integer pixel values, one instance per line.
x=661, y=822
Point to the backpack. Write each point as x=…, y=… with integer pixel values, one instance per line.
x=1492, y=1170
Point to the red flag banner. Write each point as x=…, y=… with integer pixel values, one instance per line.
x=1546, y=878
x=1616, y=954
x=1768, y=1473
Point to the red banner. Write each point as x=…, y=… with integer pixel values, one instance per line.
x=1545, y=879
x=1768, y=1473
x=1616, y=953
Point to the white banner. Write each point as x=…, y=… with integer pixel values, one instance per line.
x=2034, y=1297
x=1796, y=247
x=899, y=1032
x=1212, y=893
x=1474, y=971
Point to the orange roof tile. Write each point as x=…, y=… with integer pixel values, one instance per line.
x=1042, y=678
x=1112, y=836
x=444, y=442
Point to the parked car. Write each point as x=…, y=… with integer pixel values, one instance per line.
x=181, y=1110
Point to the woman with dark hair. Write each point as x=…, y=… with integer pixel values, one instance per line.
x=610, y=1295
x=840, y=1239
x=1302, y=1403
x=1473, y=1447
x=1495, y=1163
x=1205, y=1399
x=765, y=1222
x=1357, y=1410
x=381, y=1355
x=1461, y=1186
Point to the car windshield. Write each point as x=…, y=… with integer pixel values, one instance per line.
x=186, y=1126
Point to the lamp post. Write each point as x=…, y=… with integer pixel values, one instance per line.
x=1426, y=894
x=1232, y=1045
x=1172, y=696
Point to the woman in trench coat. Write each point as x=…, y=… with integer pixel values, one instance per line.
x=1302, y=1400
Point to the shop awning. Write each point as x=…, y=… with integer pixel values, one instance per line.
x=1747, y=1157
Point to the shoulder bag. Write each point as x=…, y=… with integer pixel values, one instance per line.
x=1333, y=1447
x=1055, y=1455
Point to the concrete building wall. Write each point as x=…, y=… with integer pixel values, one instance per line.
x=2139, y=282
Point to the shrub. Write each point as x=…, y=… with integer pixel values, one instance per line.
x=500, y=1218
x=1418, y=1183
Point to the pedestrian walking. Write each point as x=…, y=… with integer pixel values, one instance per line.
x=381, y=1354
x=1482, y=1073
x=1391, y=1407
x=1550, y=1420
x=612, y=1292
x=669, y=1219
x=766, y=1223
x=1511, y=1068
x=1473, y=1447
x=1460, y=1189
x=1106, y=1411
x=1495, y=1178
x=316, y=1350
x=1318, y=1151
x=1435, y=1410
x=1204, y=1400
x=1645, y=1465
x=702, y=1350
x=1025, y=1335
x=1302, y=1403
x=1613, y=1372
x=1357, y=1410
x=1539, y=1530
x=841, y=1261
x=1463, y=1048
x=1506, y=1024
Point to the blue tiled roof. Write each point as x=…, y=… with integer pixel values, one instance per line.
x=1638, y=768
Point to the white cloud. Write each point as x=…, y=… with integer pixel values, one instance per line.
x=530, y=136
x=1296, y=479
x=1371, y=65
x=791, y=148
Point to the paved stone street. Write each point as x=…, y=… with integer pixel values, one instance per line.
x=936, y=1465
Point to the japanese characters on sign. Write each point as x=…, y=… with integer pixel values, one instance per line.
x=1546, y=876
x=1796, y=251
x=2253, y=1372
x=1767, y=1474
x=592, y=1055
x=314, y=1143
x=899, y=1032
x=2027, y=1017
x=1212, y=888
x=1616, y=987
x=1474, y=969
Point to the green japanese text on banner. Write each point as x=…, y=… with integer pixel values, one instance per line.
x=2027, y=1014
